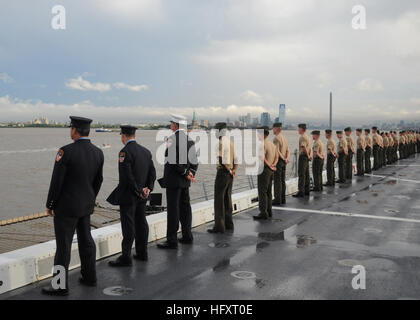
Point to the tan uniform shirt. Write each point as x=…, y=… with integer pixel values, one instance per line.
x=369, y=142
x=380, y=141
x=350, y=143
x=361, y=142
x=375, y=139
x=281, y=143
x=270, y=151
x=319, y=147
x=402, y=139
x=331, y=145
x=390, y=141
x=342, y=145
x=396, y=140
x=386, y=142
x=226, y=151
x=304, y=141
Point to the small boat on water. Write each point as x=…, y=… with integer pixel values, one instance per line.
x=103, y=130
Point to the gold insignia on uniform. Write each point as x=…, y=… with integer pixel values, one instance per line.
x=59, y=156
x=122, y=157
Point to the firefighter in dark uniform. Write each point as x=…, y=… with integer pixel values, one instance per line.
x=75, y=183
x=137, y=177
x=179, y=171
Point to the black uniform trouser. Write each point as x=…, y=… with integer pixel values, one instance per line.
x=134, y=228
x=265, y=196
x=179, y=210
x=223, y=201
x=342, y=166
x=349, y=165
x=330, y=169
x=368, y=166
x=418, y=146
x=317, y=167
x=375, y=157
x=280, y=182
x=303, y=173
x=64, y=228
x=360, y=158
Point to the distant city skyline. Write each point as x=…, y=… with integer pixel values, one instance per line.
x=146, y=59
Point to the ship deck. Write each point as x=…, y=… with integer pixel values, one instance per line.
x=306, y=251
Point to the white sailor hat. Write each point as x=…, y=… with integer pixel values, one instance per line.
x=178, y=119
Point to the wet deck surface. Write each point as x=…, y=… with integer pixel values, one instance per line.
x=296, y=255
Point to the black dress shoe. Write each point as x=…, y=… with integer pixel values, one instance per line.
x=141, y=256
x=87, y=283
x=276, y=203
x=167, y=245
x=307, y=193
x=260, y=217
x=298, y=195
x=315, y=190
x=50, y=291
x=214, y=231
x=185, y=241
x=120, y=262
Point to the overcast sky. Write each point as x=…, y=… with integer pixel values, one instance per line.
x=139, y=60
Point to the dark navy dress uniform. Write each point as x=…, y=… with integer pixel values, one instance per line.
x=136, y=171
x=180, y=160
x=76, y=181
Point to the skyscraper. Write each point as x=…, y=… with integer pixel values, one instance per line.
x=265, y=119
x=282, y=113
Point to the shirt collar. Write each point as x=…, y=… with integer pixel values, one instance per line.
x=83, y=138
x=131, y=140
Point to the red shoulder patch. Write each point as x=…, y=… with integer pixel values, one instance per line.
x=122, y=157
x=59, y=155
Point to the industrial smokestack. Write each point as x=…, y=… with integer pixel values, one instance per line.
x=330, y=110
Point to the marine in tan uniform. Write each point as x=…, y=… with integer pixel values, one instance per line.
x=390, y=147
x=385, y=149
x=381, y=149
x=360, y=156
x=342, y=150
x=376, y=147
x=226, y=172
x=368, y=151
x=396, y=144
x=318, y=160
x=331, y=156
x=305, y=155
x=418, y=141
x=402, y=145
x=280, y=174
x=265, y=178
x=351, y=152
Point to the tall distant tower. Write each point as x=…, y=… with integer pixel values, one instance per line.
x=330, y=110
x=194, y=120
x=282, y=113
